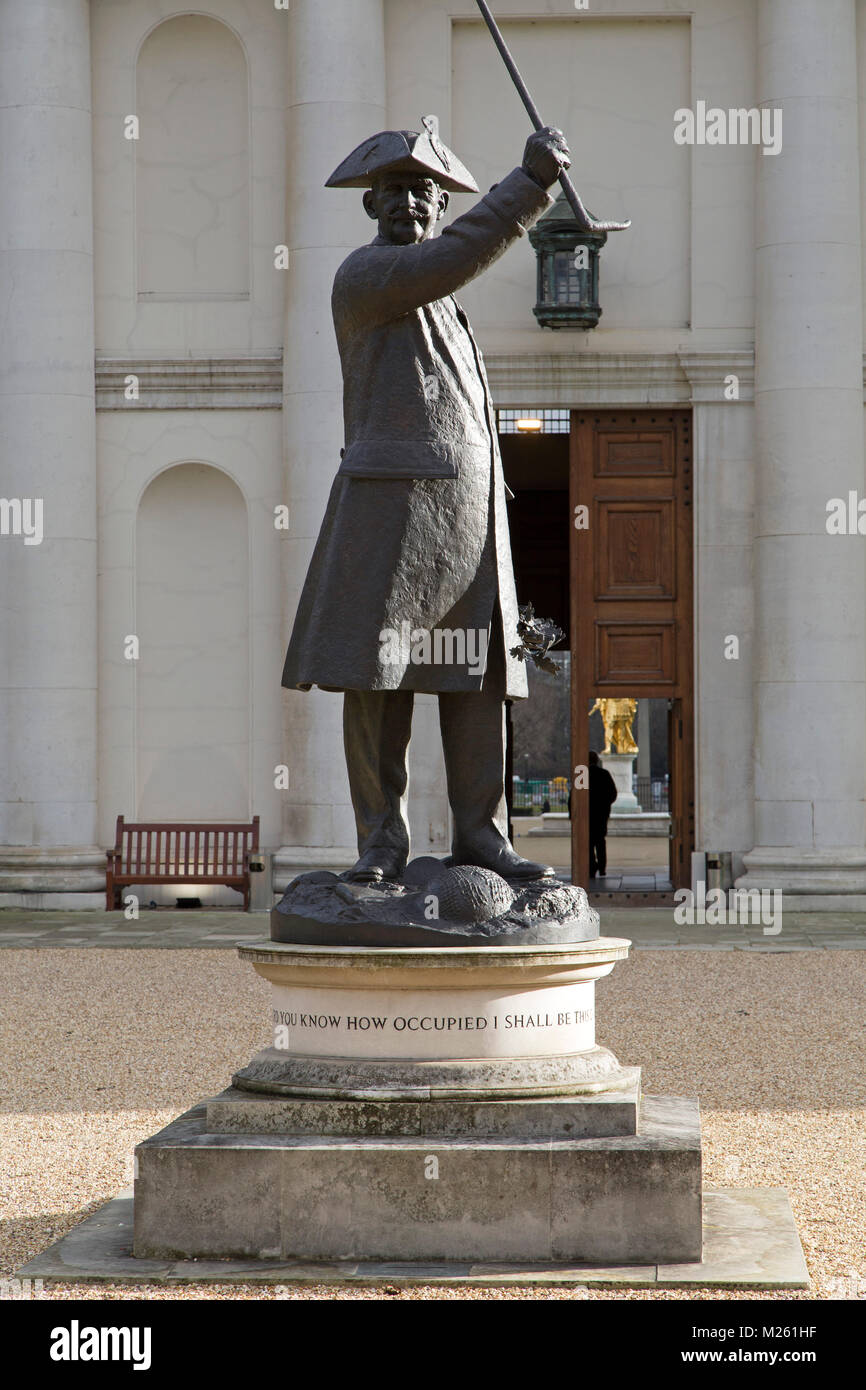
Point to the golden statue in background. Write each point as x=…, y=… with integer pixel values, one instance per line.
x=618, y=717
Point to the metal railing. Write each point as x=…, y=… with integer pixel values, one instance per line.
x=534, y=796
x=653, y=793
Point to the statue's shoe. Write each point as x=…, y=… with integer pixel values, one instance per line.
x=503, y=860
x=375, y=865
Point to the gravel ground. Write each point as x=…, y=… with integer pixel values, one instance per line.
x=100, y=1051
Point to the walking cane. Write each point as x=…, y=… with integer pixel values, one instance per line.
x=587, y=222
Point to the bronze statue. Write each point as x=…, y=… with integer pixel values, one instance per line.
x=410, y=587
x=617, y=716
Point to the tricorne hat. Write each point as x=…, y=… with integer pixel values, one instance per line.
x=404, y=151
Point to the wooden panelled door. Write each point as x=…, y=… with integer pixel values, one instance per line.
x=631, y=594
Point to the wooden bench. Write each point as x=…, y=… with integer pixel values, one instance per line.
x=145, y=852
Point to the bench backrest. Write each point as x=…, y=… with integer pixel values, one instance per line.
x=157, y=848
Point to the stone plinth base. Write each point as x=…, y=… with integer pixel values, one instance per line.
x=750, y=1242
x=54, y=902
x=621, y=768
x=558, y=824
x=643, y=823
x=627, y=1199
x=36, y=877
x=832, y=880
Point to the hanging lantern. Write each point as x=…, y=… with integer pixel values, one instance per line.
x=567, y=269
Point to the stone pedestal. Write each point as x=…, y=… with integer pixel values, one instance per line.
x=480, y=1022
x=621, y=768
x=429, y=1103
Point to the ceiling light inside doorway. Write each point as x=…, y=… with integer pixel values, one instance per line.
x=529, y=424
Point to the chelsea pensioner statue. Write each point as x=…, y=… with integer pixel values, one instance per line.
x=411, y=587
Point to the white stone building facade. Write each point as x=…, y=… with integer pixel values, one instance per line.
x=169, y=381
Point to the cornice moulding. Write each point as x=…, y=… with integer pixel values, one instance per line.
x=633, y=378
x=191, y=383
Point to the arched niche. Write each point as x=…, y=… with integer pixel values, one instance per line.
x=193, y=670
x=192, y=191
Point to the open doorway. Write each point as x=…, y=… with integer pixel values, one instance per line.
x=632, y=853
x=602, y=544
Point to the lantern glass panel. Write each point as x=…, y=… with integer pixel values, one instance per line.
x=570, y=285
x=547, y=277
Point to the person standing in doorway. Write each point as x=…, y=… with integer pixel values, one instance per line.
x=602, y=795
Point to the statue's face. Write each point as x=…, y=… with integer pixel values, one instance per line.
x=406, y=206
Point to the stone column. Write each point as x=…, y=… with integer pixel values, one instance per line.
x=337, y=96
x=810, y=761
x=48, y=670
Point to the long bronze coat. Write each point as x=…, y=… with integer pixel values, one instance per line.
x=415, y=530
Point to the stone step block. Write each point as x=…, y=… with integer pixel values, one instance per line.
x=629, y=1199
x=599, y=1116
